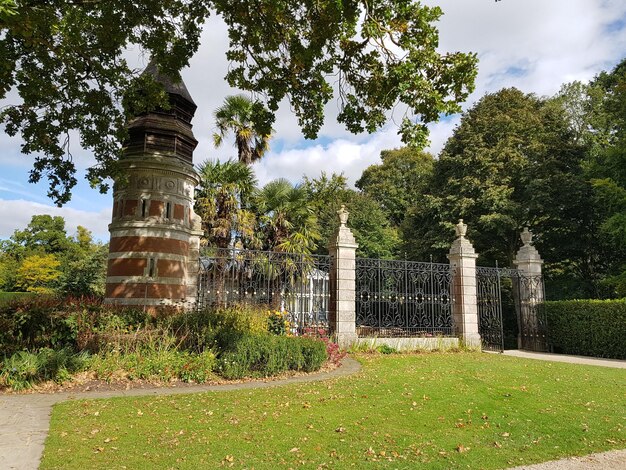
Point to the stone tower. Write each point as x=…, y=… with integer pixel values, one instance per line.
x=155, y=234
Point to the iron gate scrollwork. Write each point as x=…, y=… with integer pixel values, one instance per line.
x=403, y=298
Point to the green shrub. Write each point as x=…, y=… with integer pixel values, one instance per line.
x=24, y=369
x=386, y=349
x=268, y=355
x=155, y=365
x=218, y=328
x=588, y=327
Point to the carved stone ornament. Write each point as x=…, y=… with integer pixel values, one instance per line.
x=460, y=229
x=526, y=236
x=343, y=215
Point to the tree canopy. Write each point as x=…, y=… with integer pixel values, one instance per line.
x=66, y=61
x=397, y=182
x=43, y=258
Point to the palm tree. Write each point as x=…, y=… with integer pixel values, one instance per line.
x=236, y=115
x=222, y=202
x=286, y=219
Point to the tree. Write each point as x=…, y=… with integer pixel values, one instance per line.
x=369, y=223
x=82, y=262
x=43, y=234
x=38, y=273
x=237, y=115
x=398, y=181
x=83, y=271
x=512, y=162
x=223, y=200
x=286, y=220
x=66, y=60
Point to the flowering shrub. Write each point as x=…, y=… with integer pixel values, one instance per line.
x=335, y=355
x=277, y=322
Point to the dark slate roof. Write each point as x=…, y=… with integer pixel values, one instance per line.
x=174, y=88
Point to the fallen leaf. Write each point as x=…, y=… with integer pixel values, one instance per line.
x=461, y=448
x=340, y=429
x=295, y=449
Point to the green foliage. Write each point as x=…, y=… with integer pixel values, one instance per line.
x=8, y=270
x=220, y=328
x=588, y=327
x=386, y=349
x=66, y=61
x=24, y=369
x=161, y=361
x=267, y=355
x=277, y=322
x=30, y=258
x=246, y=119
x=286, y=219
x=398, y=181
x=371, y=227
x=222, y=203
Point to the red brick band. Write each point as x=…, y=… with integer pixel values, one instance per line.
x=148, y=244
x=149, y=291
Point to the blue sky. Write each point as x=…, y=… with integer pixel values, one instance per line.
x=535, y=45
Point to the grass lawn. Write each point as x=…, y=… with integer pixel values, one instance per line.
x=464, y=410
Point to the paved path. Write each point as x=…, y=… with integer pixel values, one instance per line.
x=589, y=361
x=613, y=460
x=25, y=419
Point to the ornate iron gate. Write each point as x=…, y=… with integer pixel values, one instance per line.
x=528, y=295
x=532, y=322
x=489, y=293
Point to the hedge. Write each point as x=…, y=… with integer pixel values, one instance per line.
x=588, y=327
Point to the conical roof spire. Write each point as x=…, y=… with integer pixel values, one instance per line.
x=172, y=87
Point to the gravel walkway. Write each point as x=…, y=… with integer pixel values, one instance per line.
x=25, y=419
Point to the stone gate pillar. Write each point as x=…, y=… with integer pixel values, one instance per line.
x=465, y=302
x=342, y=311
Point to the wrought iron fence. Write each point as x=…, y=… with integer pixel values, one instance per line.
x=297, y=285
x=403, y=298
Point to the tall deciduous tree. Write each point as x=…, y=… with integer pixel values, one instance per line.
x=513, y=161
x=38, y=273
x=237, y=116
x=66, y=61
x=398, y=181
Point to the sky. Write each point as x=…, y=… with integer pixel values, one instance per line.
x=534, y=45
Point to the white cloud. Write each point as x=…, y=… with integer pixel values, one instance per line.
x=16, y=214
x=339, y=156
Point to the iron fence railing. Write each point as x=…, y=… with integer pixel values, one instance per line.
x=403, y=298
x=297, y=285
